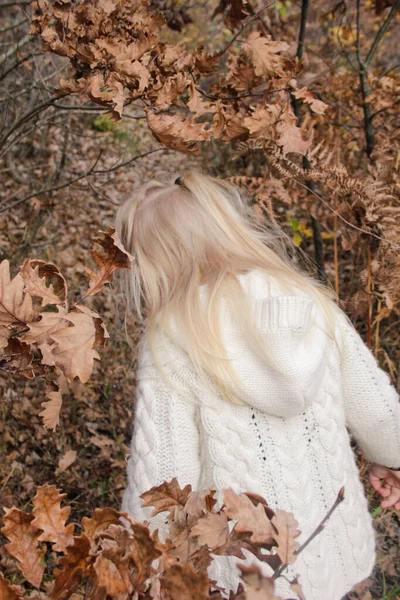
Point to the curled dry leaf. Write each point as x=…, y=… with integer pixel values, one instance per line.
x=199, y=503
x=290, y=134
x=113, y=576
x=286, y=532
x=75, y=337
x=15, y=307
x=114, y=256
x=166, y=496
x=101, y=519
x=51, y=409
x=23, y=544
x=264, y=54
x=250, y=518
x=296, y=588
x=258, y=587
x=182, y=582
x=18, y=357
x=38, y=275
x=75, y=565
x=316, y=105
x=40, y=331
x=8, y=591
x=212, y=530
x=50, y=518
x=66, y=460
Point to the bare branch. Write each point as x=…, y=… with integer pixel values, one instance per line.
x=382, y=30
x=244, y=26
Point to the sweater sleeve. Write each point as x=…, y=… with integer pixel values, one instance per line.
x=371, y=403
x=165, y=444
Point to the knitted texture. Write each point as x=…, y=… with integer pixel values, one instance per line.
x=289, y=442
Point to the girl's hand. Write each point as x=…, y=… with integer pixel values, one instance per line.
x=387, y=484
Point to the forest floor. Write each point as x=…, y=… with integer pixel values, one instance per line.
x=86, y=456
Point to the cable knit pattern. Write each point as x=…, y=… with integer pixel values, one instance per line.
x=289, y=442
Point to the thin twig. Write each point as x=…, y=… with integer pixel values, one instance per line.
x=245, y=24
x=339, y=499
x=378, y=237
x=248, y=95
x=91, y=171
x=382, y=30
x=13, y=26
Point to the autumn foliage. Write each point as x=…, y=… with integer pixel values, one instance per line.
x=297, y=102
x=115, y=556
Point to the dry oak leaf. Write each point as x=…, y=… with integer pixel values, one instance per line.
x=250, y=518
x=297, y=589
x=50, y=518
x=240, y=76
x=264, y=55
x=168, y=131
x=74, y=351
x=144, y=549
x=205, y=62
x=66, y=460
x=114, y=256
x=100, y=520
x=23, y=544
x=75, y=565
x=316, y=105
x=212, y=530
x=200, y=503
x=260, y=122
x=285, y=534
x=290, y=135
x=183, y=582
x=196, y=103
x=40, y=331
x=8, y=591
x=138, y=550
x=51, y=409
x=36, y=274
x=107, y=92
x=258, y=587
x=113, y=576
x=18, y=357
x=166, y=496
x=15, y=308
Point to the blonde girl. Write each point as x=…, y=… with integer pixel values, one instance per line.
x=250, y=377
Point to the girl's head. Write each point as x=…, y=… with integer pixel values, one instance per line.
x=202, y=232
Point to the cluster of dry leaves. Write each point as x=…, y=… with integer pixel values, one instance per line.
x=116, y=556
x=41, y=334
x=117, y=57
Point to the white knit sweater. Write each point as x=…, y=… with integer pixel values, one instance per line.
x=290, y=443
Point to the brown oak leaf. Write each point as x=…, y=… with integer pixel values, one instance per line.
x=316, y=105
x=212, y=529
x=114, y=256
x=166, y=496
x=50, y=518
x=75, y=565
x=23, y=544
x=285, y=534
x=249, y=517
x=264, y=55
x=15, y=307
x=51, y=409
x=8, y=591
x=37, y=274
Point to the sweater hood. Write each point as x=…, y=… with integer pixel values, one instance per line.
x=295, y=336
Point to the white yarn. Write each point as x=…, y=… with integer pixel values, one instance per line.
x=289, y=443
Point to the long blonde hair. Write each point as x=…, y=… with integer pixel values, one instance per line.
x=204, y=232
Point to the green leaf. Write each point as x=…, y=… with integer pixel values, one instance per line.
x=377, y=511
